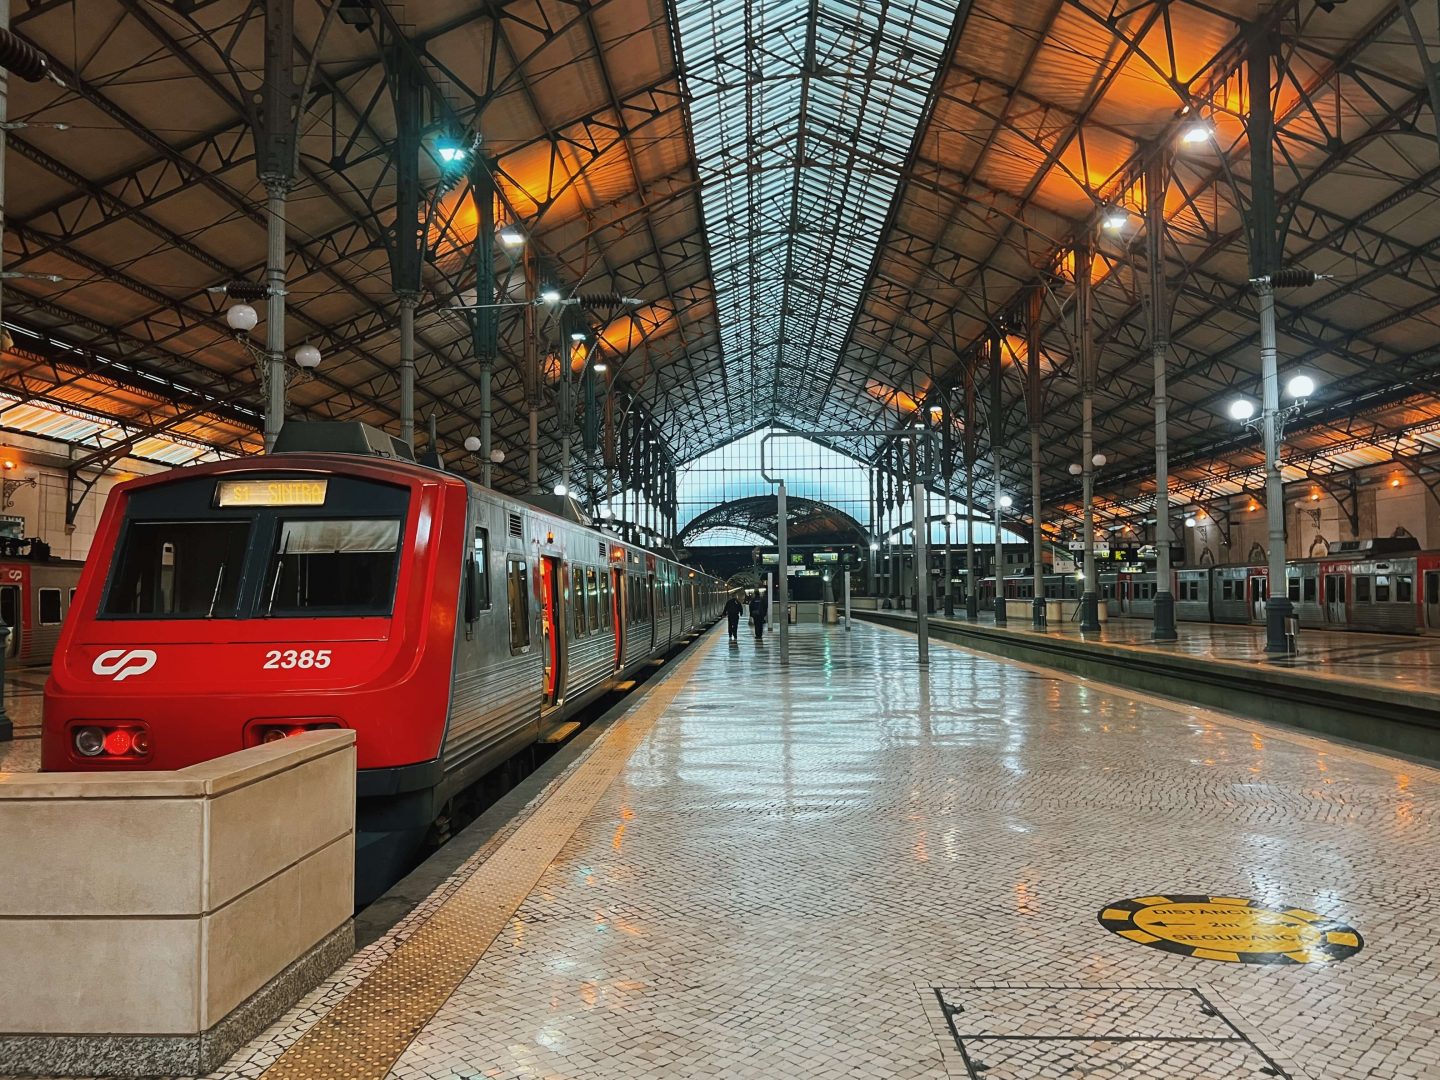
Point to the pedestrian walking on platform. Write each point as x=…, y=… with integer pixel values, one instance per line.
x=732, y=616
x=759, y=611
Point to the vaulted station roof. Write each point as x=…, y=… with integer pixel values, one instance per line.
x=824, y=206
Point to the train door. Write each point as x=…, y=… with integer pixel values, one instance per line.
x=550, y=629
x=10, y=612
x=650, y=593
x=1432, y=599
x=617, y=615
x=1258, y=592
x=1335, y=598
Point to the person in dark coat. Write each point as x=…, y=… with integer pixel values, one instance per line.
x=732, y=616
x=759, y=611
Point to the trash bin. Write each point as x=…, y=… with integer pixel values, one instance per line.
x=1292, y=634
x=792, y=613
x=831, y=613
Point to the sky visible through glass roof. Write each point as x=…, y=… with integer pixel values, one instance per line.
x=803, y=115
x=811, y=471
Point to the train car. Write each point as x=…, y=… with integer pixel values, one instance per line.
x=1237, y=594
x=336, y=583
x=1302, y=586
x=1136, y=593
x=1373, y=594
x=1192, y=594
x=35, y=597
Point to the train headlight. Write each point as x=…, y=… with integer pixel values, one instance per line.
x=89, y=741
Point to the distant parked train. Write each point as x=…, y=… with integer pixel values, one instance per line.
x=231, y=604
x=35, y=595
x=1386, y=585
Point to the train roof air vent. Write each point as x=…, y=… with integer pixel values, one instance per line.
x=603, y=549
x=339, y=437
x=517, y=530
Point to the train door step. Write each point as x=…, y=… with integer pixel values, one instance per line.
x=559, y=732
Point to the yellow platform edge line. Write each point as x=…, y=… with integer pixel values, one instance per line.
x=365, y=1033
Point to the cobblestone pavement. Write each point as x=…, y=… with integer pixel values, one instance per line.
x=846, y=869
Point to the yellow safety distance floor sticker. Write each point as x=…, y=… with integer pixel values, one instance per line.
x=1231, y=929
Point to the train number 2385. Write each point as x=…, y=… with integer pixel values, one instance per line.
x=297, y=658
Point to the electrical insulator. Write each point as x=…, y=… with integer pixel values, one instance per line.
x=1292, y=278
x=247, y=290
x=21, y=58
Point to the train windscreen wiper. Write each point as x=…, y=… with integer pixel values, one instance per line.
x=215, y=596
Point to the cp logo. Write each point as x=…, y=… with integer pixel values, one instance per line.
x=122, y=663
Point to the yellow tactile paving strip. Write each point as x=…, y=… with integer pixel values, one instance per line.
x=367, y=1031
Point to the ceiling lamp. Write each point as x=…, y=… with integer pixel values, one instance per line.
x=1115, y=219
x=1201, y=131
x=241, y=318
x=472, y=444
x=561, y=490
x=601, y=367
x=577, y=336
x=550, y=296
x=307, y=357
x=1242, y=409
x=511, y=238
x=1006, y=502
x=1300, y=386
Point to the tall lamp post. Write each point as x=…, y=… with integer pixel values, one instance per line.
x=1271, y=423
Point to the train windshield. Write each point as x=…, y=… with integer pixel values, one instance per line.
x=179, y=569
x=333, y=567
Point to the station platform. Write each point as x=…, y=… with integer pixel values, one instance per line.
x=1409, y=661
x=850, y=868
x=1380, y=690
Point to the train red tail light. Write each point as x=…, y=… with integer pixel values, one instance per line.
x=274, y=730
x=111, y=742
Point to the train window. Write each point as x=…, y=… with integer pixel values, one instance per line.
x=578, y=626
x=1227, y=589
x=1382, y=588
x=1292, y=589
x=333, y=567
x=49, y=607
x=592, y=598
x=178, y=569
x=1308, y=591
x=1362, y=590
x=517, y=581
x=71, y=602
x=481, y=555
x=1404, y=588
x=605, y=599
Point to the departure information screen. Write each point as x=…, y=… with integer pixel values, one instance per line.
x=270, y=493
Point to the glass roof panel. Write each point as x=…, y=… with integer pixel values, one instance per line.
x=803, y=112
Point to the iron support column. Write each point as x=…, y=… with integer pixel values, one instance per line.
x=1277, y=599
x=532, y=378
x=276, y=122
x=1034, y=409
x=1156, y=180
x=972, y=570
x=997, y=435
x=1089, y=597
x=922, y=617
x=1265, y=254
x=484, y=320
x=276, y=188
x=782, y=577
x=407, y=368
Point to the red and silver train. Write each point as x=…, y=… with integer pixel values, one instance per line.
x=1387, y=585
x=231, y=604
x=35, y=597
